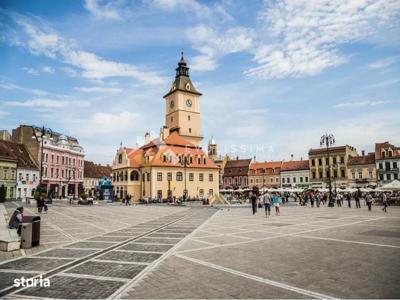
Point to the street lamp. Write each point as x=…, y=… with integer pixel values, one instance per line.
x=185, y=162
x=38, y=135
x=328, y=140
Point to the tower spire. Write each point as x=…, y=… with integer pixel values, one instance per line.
x=182, y=69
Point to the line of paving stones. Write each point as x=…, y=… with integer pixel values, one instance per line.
x=115, y=268
x=56, y=260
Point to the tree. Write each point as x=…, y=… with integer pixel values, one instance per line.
x=40, y=192
x=3, y=193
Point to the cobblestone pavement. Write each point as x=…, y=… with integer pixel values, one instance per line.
x=230, y=253
x=101, y=266
x=304, y=253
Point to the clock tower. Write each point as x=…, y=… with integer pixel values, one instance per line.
x=183, y=106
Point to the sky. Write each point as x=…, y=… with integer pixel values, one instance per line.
x=275, y=75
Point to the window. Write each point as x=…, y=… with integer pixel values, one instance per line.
x=390, y=153
x=201, y=193
x=172, y=119
x=188, y=118
x=370, y=174
x=134, y=176
x=283, y=180
x=359, y=175
x=380, y=176
x=159, y=194
x=383, y=154
x=388, y=177
x=159, y=176
x=342, y=173
x=380, y=166
x=313, y=162
x=335, y=174
x=395, y=176
x=313, y=175
x=126, y=176
x=169, y=176
x=306, y=179
x=320, y=175
x=191, y=176
x=277, y=179
x=120, y=159
x=353, y=175
x=326, y=160
x=178, y=176
x=148, y=176
x=320, y=161
x=201, y=176
x=288, y=180
x=210, y=192
x=294, y=179
x=204, y=160
x=342, y=159
x=58, y=159
x=190, y=130
x=210, y=177
x=52, y=172
x=301, y=179
x=394, y=165
x=387, y=166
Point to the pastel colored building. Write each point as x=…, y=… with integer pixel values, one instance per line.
x=387, y=159
x=295, y=174
x=265, y=174
x=8, y=170
x=93, y=173
x=62, y=163
x=362, y=171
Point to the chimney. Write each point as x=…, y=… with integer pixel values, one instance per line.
x=164, y=133
x=147, y=137
x=291, y=156
x=254, y=158
x=237, y=157
x=363, y=152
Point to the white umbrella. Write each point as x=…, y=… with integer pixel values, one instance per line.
x=393, y=186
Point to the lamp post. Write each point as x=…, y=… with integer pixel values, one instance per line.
x=328, y=140
x=38, y=135
x=185, y=163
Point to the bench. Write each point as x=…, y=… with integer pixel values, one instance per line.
x=9, y=239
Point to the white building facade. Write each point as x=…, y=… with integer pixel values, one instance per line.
x=27, y=182
x=295, y=174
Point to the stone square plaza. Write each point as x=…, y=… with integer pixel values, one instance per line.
x=194, y=252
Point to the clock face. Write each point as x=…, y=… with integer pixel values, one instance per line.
x=172, y=104
x=189, y=102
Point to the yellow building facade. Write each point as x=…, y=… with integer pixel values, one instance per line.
x=172, y=165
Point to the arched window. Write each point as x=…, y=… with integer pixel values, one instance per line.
x=126, y=176
x=134, y=176
x=120, y=159
x=179, y=176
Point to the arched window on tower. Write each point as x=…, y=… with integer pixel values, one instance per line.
x=120, y=159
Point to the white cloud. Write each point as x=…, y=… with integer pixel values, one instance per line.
x=99, y=89
x=47, y=103
x=44, y=41
x=11, y=86
x=385, y=62
x=106, y=11
x=303, y=37
x=30, y=71
x=361, y=103
x=217, y=11
x=47, y=69
x=212, y=44
x=70, y=71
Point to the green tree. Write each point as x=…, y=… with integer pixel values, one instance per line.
x=3, y=193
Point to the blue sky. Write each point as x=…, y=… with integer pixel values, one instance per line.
x=275, y=75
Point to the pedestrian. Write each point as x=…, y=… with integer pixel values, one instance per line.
x=253, y=199
x=348, y=198
x=338, y=200
x=276, y=204
x=357, y=198
x=40, y=204
x=16, y=219
x=312, y=200
x=384, y=202
x=267, y=204
x=368, y=200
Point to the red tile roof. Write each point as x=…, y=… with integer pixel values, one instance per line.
x=362, y=160
x=266, y=165
x=322, y=150
x=92, y=170
x=17, y=152
x=385, y=147
x=295, y=165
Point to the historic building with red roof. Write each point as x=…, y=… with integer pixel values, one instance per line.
x=265, y=174
x=362, y=170
x=173, y=164
x=295, y=174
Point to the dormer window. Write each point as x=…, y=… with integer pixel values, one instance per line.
x=390, y=153
x=383, y=154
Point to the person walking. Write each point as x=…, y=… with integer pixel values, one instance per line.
x=312, y=200
x=16, y=219
x=348, y=198
x=267, y=204
x=339, y=200
x=384, y=202
x=368, y=200
x=253, y=199
x=276, y=204
x=40, y=204
x=357, y=198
